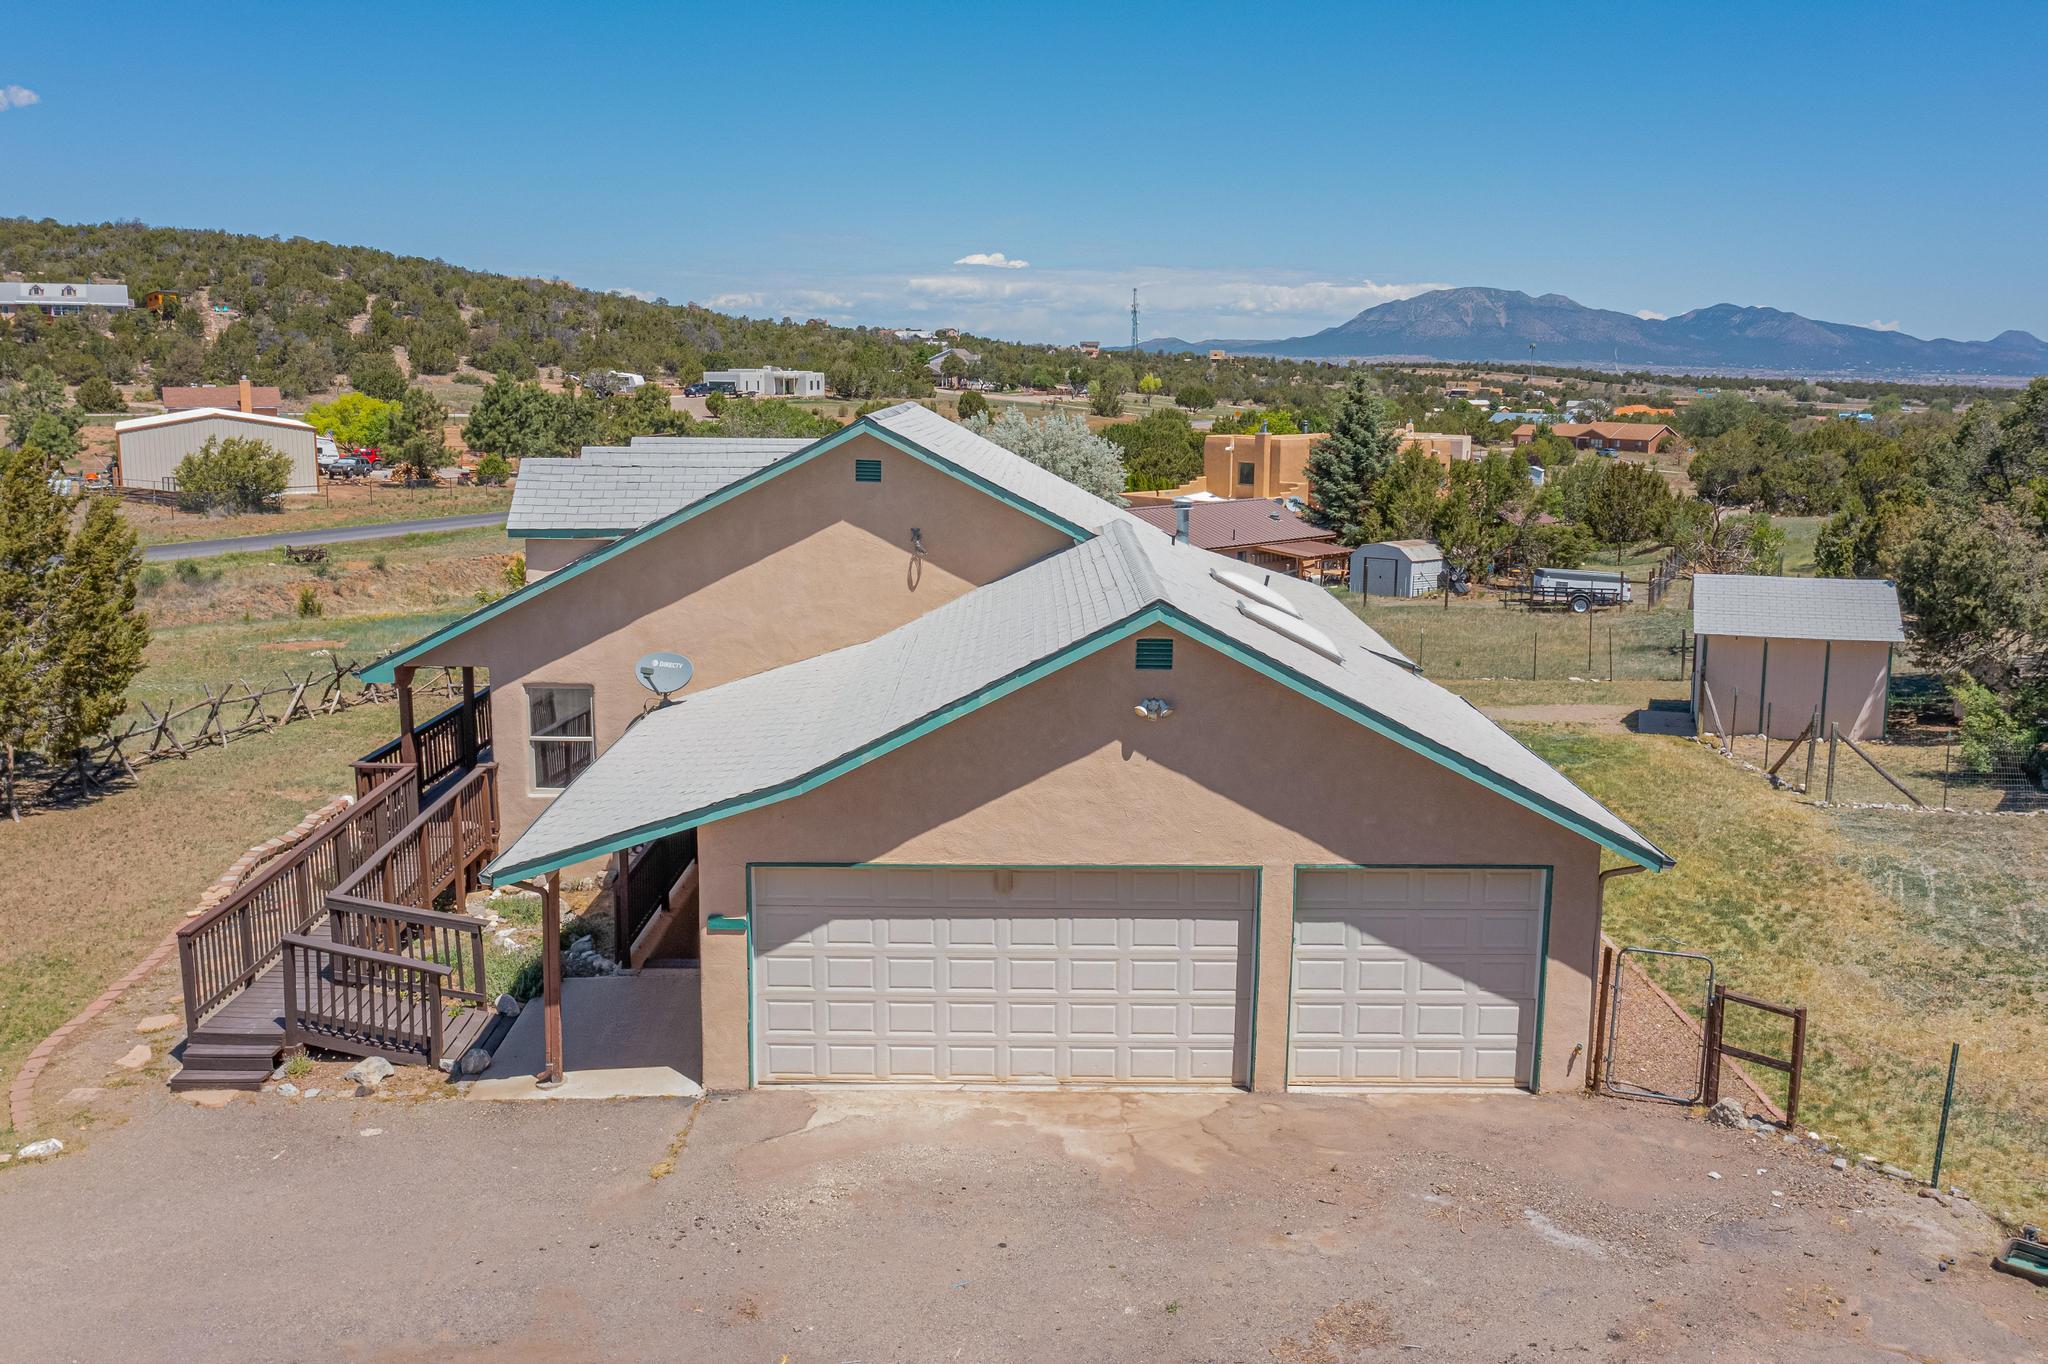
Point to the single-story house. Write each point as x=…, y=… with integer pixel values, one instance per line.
x=769, y=381
x=985, y=779
x=1774, y=652
x=1262, y=531
x=1397, y=568
x=148, y=450
x=1628, y=438
x=60, y=298
x=241, y=397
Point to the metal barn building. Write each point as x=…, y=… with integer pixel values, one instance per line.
x=1774, y=652
x=147, y=450
x=1397, y=568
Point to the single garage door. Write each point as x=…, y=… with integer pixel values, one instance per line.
x=1054, y=975
x=1415, y=976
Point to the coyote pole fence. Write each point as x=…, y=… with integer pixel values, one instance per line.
x=1589, y=641
x=1948, y=1099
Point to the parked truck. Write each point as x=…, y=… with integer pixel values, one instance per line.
x=1580, y=589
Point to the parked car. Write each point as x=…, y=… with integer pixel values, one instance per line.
x=348, y=466
x=1581, y=589
x=702, y=389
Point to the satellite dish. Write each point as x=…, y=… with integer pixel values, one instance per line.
x=664, y=673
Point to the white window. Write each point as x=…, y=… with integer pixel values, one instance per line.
x=561, y=735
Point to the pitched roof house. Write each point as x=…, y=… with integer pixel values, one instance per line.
x=983, y=778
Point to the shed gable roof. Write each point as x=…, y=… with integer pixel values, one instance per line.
x=1760, y=607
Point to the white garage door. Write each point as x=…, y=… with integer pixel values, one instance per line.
x=1415, y=976
x=1094, y=976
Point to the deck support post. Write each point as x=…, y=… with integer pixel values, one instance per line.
x=551, y=977
x=622, y=909
x=408, y=742
x=469, y=748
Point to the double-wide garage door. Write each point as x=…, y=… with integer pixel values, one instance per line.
x=1047, y=975
x=1415, y=976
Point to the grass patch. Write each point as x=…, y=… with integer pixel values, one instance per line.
x=348, y=504
x=1899, y=933
x=1494, y=638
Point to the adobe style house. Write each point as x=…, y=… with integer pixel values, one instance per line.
x=1266, y=465
x=982, y=778
x=262, y=399
x=1628, y=438
x=1776, y=655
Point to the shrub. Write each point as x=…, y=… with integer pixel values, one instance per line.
x=1195, y=397
x=972, y=404
x=515, y=572
x=188, y=572
x=98, y=394
x=379, y=562
x=235, y=474
x=152, y=579
x=309, y=602
x=493, y=470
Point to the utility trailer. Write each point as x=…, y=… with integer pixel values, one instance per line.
x=1578, y=589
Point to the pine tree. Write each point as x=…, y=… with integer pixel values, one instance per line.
x=32, y=534
x=417, y=435
x=1345, y=464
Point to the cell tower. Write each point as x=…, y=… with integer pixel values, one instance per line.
x=1134, y=319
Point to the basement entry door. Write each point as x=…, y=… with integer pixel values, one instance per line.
x=1423, y=975
x=1107, y=976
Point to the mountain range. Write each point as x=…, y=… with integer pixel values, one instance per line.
x=1508, y=325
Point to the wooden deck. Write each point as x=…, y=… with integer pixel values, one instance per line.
x=237, y=1046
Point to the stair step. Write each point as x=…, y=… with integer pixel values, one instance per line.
x=220, y=1079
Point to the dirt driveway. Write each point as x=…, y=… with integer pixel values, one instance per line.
x=808, y=1226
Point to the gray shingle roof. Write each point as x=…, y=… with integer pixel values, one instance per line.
x=1796, y=608
x=618, y=488
x=764, y=737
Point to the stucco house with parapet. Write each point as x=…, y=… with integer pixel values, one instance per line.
x=983, y=779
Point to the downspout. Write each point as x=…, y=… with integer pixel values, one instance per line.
x=1593, y=1056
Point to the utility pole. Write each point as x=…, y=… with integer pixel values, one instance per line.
x=1134, y=320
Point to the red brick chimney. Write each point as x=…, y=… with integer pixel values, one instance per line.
x=247, y=397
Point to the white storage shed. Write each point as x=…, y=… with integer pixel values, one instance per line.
x=148, y=450
x=1397, y=568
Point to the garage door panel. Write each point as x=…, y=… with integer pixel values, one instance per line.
x=1421, y=976
x=957, y=974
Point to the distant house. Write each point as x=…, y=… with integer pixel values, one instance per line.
x=60, y=299
x=937, y=364
x=1775, y=652
x=161, y=301
x=1218, y=354
x=1643, y=410
x=1091, y=349
x=243, y=397
x=1533, y=418
x=148, y=450
x=1266, y=465
x=1256, y=530
x=770, y=382
x=1628, y=438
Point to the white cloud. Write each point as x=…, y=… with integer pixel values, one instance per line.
x=18, y=97
x=994, y=259
x=1652, y=315
x=644, y=295
x=733, y=302
x=1883, y=326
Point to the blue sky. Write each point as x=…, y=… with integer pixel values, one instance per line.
x=1258, y=171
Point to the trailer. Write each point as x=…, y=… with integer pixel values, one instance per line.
x=1579, y=589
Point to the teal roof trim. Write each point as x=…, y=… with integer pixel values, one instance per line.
x=385, y=668
x=1643, y=855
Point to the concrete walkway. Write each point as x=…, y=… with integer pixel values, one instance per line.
x=623, y=1037
x=332, y=535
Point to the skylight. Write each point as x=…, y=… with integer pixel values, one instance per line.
x=1296, y=629
x=1248, y=586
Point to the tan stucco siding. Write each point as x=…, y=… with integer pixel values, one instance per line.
x=1739, y=683
x=808, y=562
x=545, y=556
x=149, y=457
x=1244, y=773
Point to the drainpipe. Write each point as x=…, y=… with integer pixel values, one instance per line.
x=1593, y=1056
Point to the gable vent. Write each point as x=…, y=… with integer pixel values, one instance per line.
x=867, y=471
x=1155, y=655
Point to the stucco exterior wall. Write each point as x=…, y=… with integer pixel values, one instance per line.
x=545, y=556
x=1735, y=682
x=807, y=562
x=149, y=457
x=1244, y=773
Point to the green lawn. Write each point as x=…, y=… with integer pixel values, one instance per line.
x=1900, y=933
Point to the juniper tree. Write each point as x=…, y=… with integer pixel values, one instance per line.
x=1345, y=464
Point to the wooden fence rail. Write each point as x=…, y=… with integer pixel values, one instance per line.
x=367, y=1002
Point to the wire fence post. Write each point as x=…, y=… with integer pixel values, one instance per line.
x=1834, y=739
x=1589, y=641
x=1532, y=653
x=1812, y=747
x=1610, y=653
x=1948, y=1099
x=1947, y=750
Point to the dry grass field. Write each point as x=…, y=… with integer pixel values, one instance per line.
x=354, y=503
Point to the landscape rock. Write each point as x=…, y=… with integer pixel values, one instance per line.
x=1727, y=1113
x=508, y=1006
x=41, y=1150
x=1840, y=1162
x=1896, y=1173
x=157, y=1023
x=289, y=1091
x=476, y=1061
x=446, y=1065
x=370, y=1071
x=135, y=1058
x=312, y=1093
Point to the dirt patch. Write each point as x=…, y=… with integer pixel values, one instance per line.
x=1338, y=1335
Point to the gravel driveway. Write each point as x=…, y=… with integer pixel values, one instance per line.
x=892, y=1225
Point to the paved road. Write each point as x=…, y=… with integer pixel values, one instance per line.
x=334, y=535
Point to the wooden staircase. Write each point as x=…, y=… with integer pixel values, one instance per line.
x=336, y=945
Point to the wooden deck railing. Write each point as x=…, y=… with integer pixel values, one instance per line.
x=446, y=745
x=366, y=1002
x=455, y=941
x=649, y=875
x=226, y=948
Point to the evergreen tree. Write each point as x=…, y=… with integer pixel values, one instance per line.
x=418, y=435
x=1345, y=465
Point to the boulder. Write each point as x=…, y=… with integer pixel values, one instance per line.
x=41, y=1150
x=1727, y=1113
x=370, y=1071
x=289, y=1091
x=476, y=1061
x=508, y=1006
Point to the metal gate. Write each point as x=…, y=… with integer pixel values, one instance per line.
x=1652, y=1049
